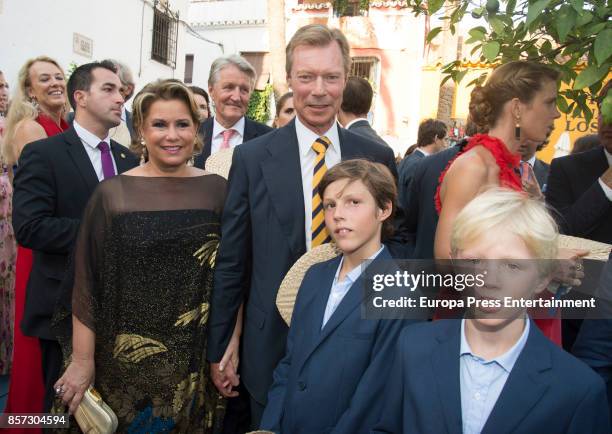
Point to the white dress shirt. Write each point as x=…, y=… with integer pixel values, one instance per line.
x=305, y=139
x=90, y=143
x=217, y=135
x=607, y=190
x=340, y=288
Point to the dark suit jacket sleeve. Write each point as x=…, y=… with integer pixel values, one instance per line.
x=367, y=403
x=390, y=421
x=34, y=202
x=592, y=414
x=582, y=216
x=273, y=413
x=233, y=260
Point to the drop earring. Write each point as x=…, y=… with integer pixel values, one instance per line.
x=143, y=155
x=517, y=130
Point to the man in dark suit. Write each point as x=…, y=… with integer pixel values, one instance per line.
x=431, y=139
x=421, y=218
x=269, y=220
x=356, y=103
x=55, y=178
x=580, y=187
x=230, y=84
x=594, y=342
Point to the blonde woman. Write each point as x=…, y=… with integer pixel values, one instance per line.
x=37, y=111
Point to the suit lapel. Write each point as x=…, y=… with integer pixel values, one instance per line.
x=206, y=130
x=319, y=303
x=282, y=175
x=347, y=151
x=351, y=301
x=120, y=156
x=445, y=367
x=81, y=160
x=524, y=387
x=250, y=130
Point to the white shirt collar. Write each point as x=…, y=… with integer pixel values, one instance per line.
x=238, y=127
x=608, y=156
x=422, y=151
x=88, y=138
x=306, y=137
x=124, y=114
x=531, y=161
x=347, y=126
x=506, y=360
x=352, y=276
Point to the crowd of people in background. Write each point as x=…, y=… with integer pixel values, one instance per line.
x=127, y=265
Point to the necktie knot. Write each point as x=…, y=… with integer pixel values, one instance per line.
x=103, y=147
x=320, y=145
x=227, y=136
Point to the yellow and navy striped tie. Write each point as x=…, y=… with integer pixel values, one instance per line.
x=319, y=232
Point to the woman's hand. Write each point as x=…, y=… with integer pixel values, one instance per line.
x=76, y=379
x=570, y=270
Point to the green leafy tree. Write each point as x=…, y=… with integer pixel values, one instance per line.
x=259, y=105
x=573, y=36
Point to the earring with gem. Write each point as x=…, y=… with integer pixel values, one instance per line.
x=517, y=129
x=143, y=154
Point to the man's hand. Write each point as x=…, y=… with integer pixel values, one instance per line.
x=225, y=379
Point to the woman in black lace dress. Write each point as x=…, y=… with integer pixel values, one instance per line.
x=143, y=275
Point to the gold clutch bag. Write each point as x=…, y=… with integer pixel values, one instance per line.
x=94, y=416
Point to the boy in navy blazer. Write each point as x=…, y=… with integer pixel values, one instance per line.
x=332, y=376
x=494, y=372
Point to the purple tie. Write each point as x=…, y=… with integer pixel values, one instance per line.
x=108, y=169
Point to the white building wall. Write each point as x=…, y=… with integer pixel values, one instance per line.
x=231, y=26
x=119, y=29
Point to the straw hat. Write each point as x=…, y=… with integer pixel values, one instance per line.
x=598, y=251
x=285, y=299
x=220, y=162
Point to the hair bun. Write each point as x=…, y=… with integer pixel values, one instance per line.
x=481, y=110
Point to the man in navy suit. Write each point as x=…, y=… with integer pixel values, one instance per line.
x=580, y=187
x=494, y=372
x=421, y=218
x=230, y=84
x=267, y=220
x=431, y=139
x=594, y=342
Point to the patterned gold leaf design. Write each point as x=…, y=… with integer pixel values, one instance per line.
x=135, y=348
x=200, y=312
x=208, y=252
x=186, y=389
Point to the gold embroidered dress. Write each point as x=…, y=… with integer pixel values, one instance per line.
x=140, y=285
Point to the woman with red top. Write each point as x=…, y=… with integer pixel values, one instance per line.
x=517, y=103
x=37, y=111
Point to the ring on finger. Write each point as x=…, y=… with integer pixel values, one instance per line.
x=579, y=267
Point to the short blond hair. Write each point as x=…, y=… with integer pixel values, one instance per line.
x=503, y=209
x=318, y=35
x=165, y=90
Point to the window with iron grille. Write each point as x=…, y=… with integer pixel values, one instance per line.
x=365, y=67
x=165, y=30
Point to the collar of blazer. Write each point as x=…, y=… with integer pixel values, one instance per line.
x=513, y=403
x=349, y=304
x=76, y=150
